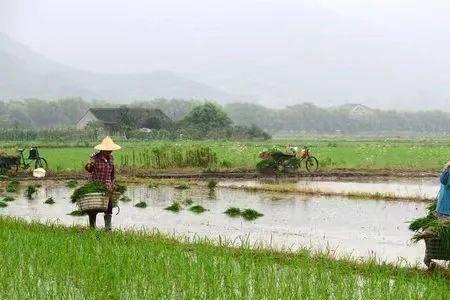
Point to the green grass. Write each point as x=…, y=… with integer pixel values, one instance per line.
x=53, y=262
x=339, y=152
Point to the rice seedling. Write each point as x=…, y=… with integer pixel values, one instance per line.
x=50, y=200
x=182, y=186
x=153, y=185
x=119, y=188
x=141, y=204
x=212, y=184
x=251, y=214
x=188, y=201
x=233, y=212
x=198, y=209
x=12, y=187
x=72, y=184
x=3, y=204
x=174, y=207
x=77, y=213
x=154, y=266
x=125, y=199
x=30, y=191
x=8, y=199
x=38, y=185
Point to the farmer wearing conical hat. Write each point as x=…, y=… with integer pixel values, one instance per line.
x=101, y=169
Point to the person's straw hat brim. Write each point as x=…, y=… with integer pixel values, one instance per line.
x=107, y=145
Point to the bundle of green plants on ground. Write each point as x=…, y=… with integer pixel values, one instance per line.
x=3, y=204
x=72, y=184
x=141, y=204
x=8, y=199
x=203, y=270
x=88, y=188
x=198, y=209
x=77, y=213
x=50, y=200
x=248, y=214
x=12, y=186
x=30, y=191
x=431, y=226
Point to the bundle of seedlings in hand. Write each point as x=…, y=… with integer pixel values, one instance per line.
x=88, y=188
x=72, y=184
x=31, y=190
x=49, y=201
x=12, y=187
x=431, y=226
x=141, y=204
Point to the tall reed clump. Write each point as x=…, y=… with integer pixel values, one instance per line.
x=171, y=156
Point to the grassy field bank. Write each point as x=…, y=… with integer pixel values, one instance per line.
x=53, y=262
x=333, y=153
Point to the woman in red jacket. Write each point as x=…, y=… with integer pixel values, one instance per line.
x=101, y=169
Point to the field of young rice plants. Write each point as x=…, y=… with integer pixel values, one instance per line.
x=333, y=153
x=52, y=262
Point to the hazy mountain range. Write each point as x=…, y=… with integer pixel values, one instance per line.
x=24, y=73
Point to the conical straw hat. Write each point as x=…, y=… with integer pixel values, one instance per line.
x=107, y=145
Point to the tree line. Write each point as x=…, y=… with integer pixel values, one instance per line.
x=300, y=118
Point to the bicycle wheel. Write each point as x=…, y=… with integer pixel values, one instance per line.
x=312, y=164
x=41, y=163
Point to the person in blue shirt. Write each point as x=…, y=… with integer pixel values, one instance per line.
x=443, y=203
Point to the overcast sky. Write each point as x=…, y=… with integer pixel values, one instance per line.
x=350, y=50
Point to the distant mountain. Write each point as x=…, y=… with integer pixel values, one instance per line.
x=25, y=73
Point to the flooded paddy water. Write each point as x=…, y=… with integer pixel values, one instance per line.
x=357, y=227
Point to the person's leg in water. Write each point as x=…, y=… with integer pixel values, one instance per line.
x=92, y=218
x=108, y=215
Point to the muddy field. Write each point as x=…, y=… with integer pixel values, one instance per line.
x=356, y=227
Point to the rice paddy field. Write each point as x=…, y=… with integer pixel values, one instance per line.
x=53, y=262
x=333, y=153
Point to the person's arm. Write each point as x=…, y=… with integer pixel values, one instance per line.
x=90, y=166
x=444, y=176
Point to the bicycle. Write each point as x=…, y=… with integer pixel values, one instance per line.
x=311, y=163
x=25, y=163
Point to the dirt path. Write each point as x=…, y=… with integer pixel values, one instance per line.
x=335, y=174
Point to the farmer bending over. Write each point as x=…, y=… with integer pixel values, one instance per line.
x=443, y=203
x=101, y=167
